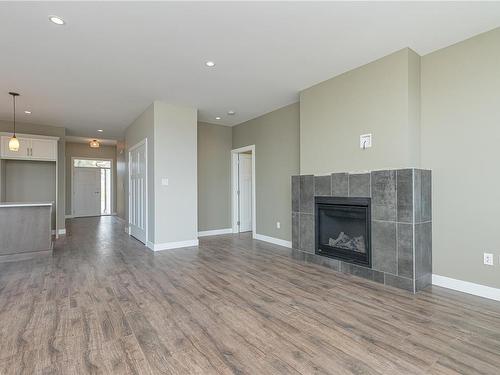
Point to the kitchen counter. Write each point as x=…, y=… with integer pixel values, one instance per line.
x=25, y=204
x=25, y=230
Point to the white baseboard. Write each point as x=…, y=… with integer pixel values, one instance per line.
x=215, y=232
x=69, y=216
x=466, y=287
x=171, y=245
x=273, y=240
x=60, y=231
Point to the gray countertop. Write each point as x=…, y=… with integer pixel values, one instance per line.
x=25, y=204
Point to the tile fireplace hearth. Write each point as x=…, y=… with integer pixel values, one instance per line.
x=329, y=224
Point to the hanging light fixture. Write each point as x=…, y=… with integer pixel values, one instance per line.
x=94, y=143
x=14, y=142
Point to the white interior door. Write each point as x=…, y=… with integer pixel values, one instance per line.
x=137, y=192
x=87, y=192
x=245, y=192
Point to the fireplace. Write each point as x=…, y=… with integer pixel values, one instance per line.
x=343, y=229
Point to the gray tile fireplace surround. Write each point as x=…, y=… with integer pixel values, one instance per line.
x=401, y=223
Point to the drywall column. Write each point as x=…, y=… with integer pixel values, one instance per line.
x=175, y=176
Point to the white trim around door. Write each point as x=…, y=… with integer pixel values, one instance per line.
x=146, y=218
x=234, y=189
x=112, y=179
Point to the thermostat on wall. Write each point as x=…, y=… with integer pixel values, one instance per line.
x=365, y=141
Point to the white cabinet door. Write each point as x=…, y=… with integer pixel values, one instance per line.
x=22, y=153
x=45, y=149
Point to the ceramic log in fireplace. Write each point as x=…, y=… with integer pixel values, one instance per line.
x=343, y=229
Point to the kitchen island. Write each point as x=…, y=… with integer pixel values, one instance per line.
x=25, y=230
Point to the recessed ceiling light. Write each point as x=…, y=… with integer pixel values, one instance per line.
x=27, y=112
x=218, y=118
x=210, y=64
x=56, y=20
x=100, y=130
x=231, y=113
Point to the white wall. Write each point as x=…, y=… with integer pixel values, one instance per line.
x=176, y=205
x=171, y=132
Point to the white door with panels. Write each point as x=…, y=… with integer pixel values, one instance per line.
x=87, y=192
x=245, y=192
x=138, y=192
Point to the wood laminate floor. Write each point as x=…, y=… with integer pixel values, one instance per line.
x=103, y=304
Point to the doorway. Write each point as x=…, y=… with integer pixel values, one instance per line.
x=243, y=190
x=92, y=183
x=138, y=191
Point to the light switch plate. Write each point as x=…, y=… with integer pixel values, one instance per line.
x=365, y=141
x=164, y=181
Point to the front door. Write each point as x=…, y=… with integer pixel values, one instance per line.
x=137, y=192
x=87, y=191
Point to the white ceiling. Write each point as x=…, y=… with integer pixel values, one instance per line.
x=111, y=60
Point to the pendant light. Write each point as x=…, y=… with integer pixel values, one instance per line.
x=14, y=142
x=94, y=143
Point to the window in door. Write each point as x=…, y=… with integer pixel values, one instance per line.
x=103, y=190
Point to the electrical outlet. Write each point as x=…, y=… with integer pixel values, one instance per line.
x=488, y=259
x=278, y=225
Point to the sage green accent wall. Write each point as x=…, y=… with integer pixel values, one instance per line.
x=83, y=150
x=380, y=98
x=276, y=139
x=176, y=205
x=460, y=135
x=214, y=176
x=54, y=131
x=143, y=128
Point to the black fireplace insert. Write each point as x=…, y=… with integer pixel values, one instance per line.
x=343, y=229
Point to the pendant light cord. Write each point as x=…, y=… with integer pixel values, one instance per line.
x=14, y=94
x=14, y=97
